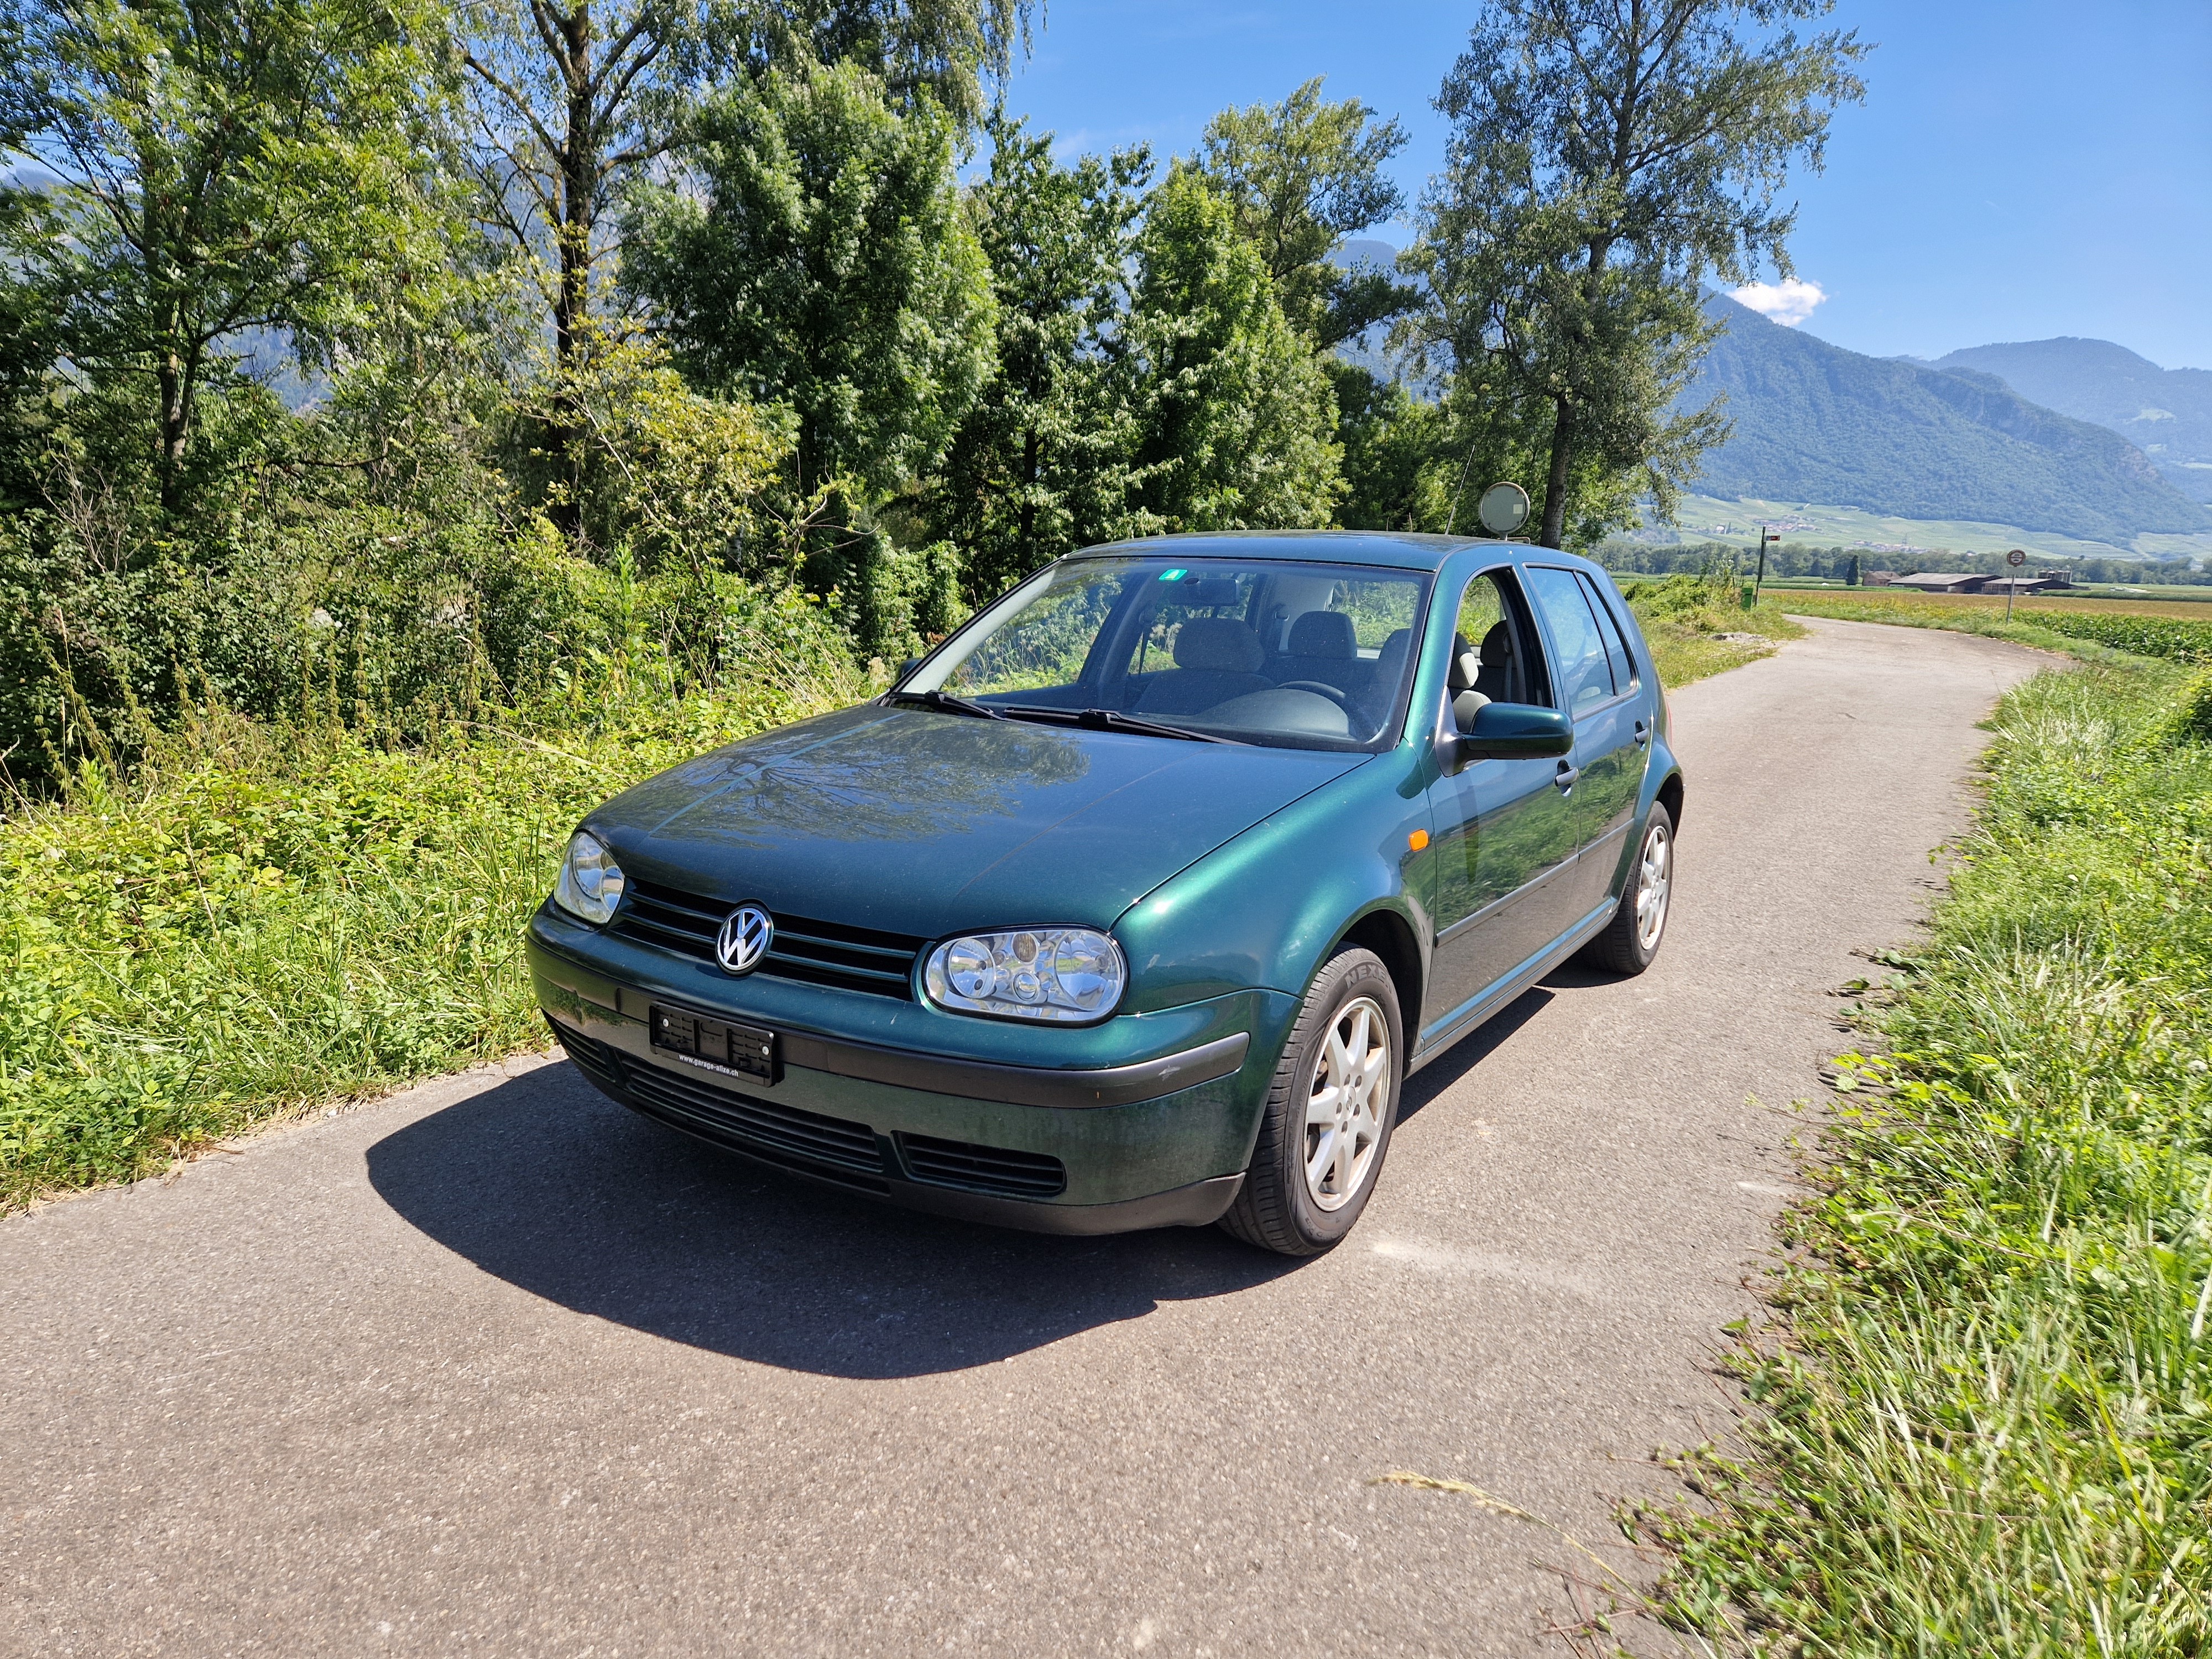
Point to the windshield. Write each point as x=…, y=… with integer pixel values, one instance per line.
x=1288, y=654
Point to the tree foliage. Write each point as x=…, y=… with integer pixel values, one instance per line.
x=221, y=169
x=365, y=361
x=823, y=261
x=1235, y=419
x=1042, y=461
x=1303, y=175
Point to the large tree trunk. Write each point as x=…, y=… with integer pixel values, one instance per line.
x=1030, y=461
x=1555, y=485
x=173, y=377
x=577, y=164
x=176, y=416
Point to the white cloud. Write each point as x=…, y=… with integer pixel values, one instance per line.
x=1787, y=303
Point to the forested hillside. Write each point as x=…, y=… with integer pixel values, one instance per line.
x=1814, y=422
x=2164, y=413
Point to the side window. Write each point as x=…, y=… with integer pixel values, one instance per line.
x=1585, y=675
x=1492, y=631
x=1608, y=625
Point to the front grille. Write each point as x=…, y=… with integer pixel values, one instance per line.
x=831, y=1147
x=816, y=952
x=983, y=1168
x=594, y=1058
x=780, y=1134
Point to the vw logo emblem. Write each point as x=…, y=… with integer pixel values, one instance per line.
x=744, y=938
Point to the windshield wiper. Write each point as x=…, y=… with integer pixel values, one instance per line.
x=1112, y=719
x=947, y=703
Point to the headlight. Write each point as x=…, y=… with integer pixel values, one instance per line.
x=590, y=884
x=1037, y=973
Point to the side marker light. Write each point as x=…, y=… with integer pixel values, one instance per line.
x=1417, y=840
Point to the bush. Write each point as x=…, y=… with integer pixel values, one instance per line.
x=268, y=915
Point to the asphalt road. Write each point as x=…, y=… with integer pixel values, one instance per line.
x=492, y=1367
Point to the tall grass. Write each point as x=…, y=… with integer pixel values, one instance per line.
x=1984, y=1421
x=256, y=918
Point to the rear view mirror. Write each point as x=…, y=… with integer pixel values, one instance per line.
x=1516, y=731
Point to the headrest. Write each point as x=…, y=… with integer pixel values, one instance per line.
x=1465, y=666
x=1323, y=634
x=1498, y=646
x=1219, y=643
x=1391, y=659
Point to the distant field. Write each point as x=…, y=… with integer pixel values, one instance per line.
x=2192, y=608
x=1703, y=517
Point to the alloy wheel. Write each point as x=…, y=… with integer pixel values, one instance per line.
x=1655, y=871
x=1344, y=1108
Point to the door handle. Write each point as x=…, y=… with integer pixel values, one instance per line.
x=1643, y=733
x=1563, y=779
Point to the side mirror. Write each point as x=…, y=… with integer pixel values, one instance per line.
x=905, y=669
x=1516, y=731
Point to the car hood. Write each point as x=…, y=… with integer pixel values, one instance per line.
x=915, y=822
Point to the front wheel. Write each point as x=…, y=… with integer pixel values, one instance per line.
x=1632, y=938
x=1329, y=1113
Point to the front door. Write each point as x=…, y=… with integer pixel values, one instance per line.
x=1505, y=831
x=1598, y=685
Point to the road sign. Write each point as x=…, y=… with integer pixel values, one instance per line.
x=2016, y=558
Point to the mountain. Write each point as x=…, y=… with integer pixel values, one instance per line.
x=1814, y=422
x=2164, y=413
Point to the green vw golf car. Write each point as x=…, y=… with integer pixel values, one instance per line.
x=1137, y=900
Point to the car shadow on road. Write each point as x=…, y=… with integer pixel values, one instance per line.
x=544, y=1182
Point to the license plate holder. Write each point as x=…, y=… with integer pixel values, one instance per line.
x=716, y=1045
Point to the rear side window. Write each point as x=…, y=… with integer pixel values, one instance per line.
x=1583, y=671
x=1608, y=626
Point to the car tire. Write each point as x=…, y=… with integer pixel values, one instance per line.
x=1298, y=1197
x=1632, y=939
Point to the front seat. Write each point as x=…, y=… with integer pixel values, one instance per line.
x=1216, y=658
x=1324, y=648
x=1500, y=679
x=1490, y=676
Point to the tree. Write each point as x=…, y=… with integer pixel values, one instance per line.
x=951, y=50
x=1607, y=157
x=817, y=256
x=1041, y=463
x=1235, y=416
x=1303, y=175
x=822, y=261
x=573, y=106
x=221, y=169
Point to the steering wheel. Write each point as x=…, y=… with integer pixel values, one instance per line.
x=1341, y=699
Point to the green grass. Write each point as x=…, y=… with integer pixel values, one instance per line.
x=1983, y=1417
x=2141, y=629
x=2028, y=628
x=1685, y=619
x=261, y=920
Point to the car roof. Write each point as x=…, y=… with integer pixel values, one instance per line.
x=1404, y=550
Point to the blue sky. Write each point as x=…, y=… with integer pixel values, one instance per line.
x=2020, y=168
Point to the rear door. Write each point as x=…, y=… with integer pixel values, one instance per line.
x=1600, y=688
x=1505, y=833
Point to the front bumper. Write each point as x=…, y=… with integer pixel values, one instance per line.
x=1155, y=1132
